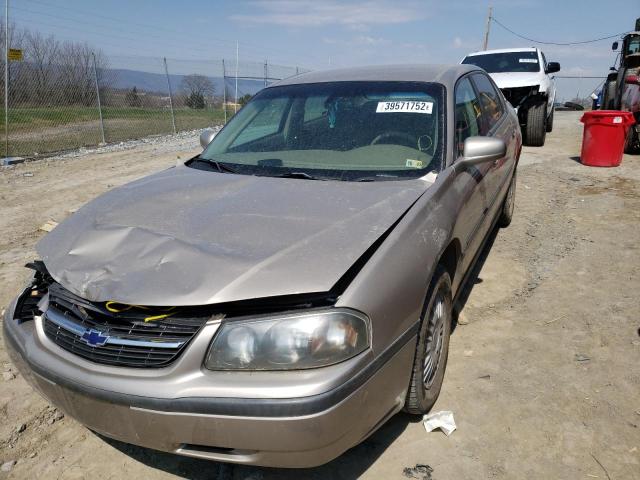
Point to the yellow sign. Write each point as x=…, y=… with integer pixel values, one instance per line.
x=15, y=54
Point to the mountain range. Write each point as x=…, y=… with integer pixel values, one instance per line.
x=157, y=82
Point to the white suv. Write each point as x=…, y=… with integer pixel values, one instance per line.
x=523, y=75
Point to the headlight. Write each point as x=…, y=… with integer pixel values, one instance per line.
x=289, y=342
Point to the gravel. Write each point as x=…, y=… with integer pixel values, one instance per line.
x=182, y=140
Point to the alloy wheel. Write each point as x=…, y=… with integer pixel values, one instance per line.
x=435, y=340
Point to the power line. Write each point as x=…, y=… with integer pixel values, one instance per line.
x=176, y=52
x=556, y=43
x=95, y=15
x=110, y=32
x=182, y=35
x=576, y=76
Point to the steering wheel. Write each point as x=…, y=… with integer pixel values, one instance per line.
x=409, y=139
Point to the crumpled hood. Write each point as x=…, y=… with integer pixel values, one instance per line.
x=189, y=237
x=518, y=79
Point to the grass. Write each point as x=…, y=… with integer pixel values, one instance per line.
x=46, y=130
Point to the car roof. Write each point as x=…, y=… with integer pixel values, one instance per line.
x=444, y=74
x=503, y=50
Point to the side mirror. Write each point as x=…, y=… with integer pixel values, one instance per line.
x=206, y=136
x=632, y=79
x=614, y=46
x=553, y=67
x=480, y=150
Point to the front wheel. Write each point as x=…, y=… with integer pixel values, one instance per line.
x=536, y=127
x=432, y=347
x=550, y=121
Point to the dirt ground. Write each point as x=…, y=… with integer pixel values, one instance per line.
x=543, y=380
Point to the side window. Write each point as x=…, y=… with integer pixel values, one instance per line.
x=492, y=108
x=266, y=122
x=467, y=113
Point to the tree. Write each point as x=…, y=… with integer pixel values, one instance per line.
x=77, y=81
x=132, y=98
x=196, y=88
x=244, y=99
x=42, y=53
x=195, y=100
x=17, y=72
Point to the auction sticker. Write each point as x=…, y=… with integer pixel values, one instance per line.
x=528, y=60
x=409, y=106
x=414, y=163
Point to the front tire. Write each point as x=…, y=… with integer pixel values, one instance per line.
x=432, y=346
x=550, y=121
x=536, y=128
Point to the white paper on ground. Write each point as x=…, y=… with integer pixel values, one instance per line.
x=442, y=420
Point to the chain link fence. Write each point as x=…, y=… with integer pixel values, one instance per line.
x=75, y=97
x=578, y=89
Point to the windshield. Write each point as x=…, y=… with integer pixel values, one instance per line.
x=341, y=131
x=505, y=62
x=632, y=45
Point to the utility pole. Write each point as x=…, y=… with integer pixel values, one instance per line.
x=235, y=107
x=487, y=29
x=266, y=73
x=224, y=91
x=6, y=77
x=173, y=116
x=95, y=78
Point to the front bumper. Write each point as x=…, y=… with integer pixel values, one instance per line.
x=284, y=432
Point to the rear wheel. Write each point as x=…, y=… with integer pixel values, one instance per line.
x=536, y=128
x=432, y=346
x=632, y=143
x=506, y=213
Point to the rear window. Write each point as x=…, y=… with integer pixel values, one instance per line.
x=505, y=62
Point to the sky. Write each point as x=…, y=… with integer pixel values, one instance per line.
x=320, y=34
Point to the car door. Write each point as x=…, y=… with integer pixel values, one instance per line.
x=496, y=123
x=470, y=183
x=550, y=84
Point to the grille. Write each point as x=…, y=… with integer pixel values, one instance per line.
x=27, y=305
x=123, y=339
x=517, y=95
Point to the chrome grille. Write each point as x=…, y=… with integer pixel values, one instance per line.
x=124, y=339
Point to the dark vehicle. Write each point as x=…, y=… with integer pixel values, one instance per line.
x=621, y=90
x=277, y=298
x=573, y=106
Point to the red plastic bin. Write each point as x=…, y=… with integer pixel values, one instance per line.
x=604, y=136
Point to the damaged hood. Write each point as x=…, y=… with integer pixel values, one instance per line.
x=189, y=237
x=518, y=79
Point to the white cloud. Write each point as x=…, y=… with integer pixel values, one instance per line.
x=464, y=44
x=367, y=40
x=595, y=51
x=578, y=72
x=309, y=13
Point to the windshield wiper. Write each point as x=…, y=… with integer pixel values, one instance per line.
x=375, y=178
x=221, y=167
x=302, y=175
